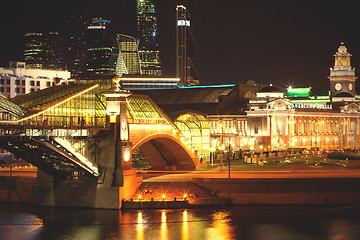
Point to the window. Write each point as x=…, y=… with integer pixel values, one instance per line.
x=8, y=81
x=23, y=82
x=2, y=89
x=32, y=90
x=48, y=84
x=37, y=83
x=2, y=81
x=23, y=90
x=8, y=89
x=17, y=90
x=17, y=82
x=32, y=83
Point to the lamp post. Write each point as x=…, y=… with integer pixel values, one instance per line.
x=116, y=109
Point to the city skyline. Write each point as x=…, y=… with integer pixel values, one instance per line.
x=281, y=42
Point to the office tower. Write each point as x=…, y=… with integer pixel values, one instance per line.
x=33, y=50
x=53, y=51
x=75, y=42
x=128, y=61
x=148, y=35
x=101, y=50
x=185, y=49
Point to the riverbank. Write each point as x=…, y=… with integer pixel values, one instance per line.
x=288, y=182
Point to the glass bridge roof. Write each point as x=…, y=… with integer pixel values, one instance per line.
x=77, y=105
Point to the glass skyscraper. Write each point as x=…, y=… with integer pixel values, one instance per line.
x=101, y=50
x=33, y=51
x=148, y=35
x=75, y=42
x=128, y=61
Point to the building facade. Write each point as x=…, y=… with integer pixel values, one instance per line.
x=33, y=50
x=147, y=83
x=101, y=48
x=303, y=118
x=149, y=39
x=185, y=49
x=128, y=61
x=75, y=42
x=18, y=79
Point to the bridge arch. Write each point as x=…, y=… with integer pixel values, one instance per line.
x=165, y=151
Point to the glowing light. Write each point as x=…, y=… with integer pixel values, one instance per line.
x=139, y=196
x=163, y=196
x=185, y=196
x=83, y=161
x=113, y=118
x=55, y=105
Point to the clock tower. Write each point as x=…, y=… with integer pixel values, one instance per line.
x=342, y=76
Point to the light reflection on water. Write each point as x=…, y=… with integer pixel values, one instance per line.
x=25, y=223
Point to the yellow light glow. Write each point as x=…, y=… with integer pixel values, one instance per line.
x=139, y=196
x=112, y=118
x=185, y=195
x=57, y=104
x=163, y=196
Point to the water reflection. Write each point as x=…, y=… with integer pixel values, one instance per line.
x=220, y=227
x=140, y=226
x=341, y=229
x=163, y=228
x=233, y=223
x=185, y=226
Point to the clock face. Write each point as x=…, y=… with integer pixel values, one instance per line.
x=338, y=87
x=350, y=86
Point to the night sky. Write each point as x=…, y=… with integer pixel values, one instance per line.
x=279, y=42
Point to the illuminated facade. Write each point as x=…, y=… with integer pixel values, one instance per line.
x=128, y=61
x=148, y=83
x=33, y=50
x=342, y=75
x=185, y=49
x=101, y=50
x=148, y=35
x=53, y=51
x=75, y=42
x=18, y=79
x=44, y=51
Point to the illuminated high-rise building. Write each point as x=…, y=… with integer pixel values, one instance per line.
x=33, y=50
x=75, y=42
x=185, y=49
x=101, y=50
x=53, y=51
x=128, y=61
x=148, y=35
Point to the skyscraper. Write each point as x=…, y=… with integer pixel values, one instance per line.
x=101, y=50
x=53, y=51
x=44, y=51
x=33, y=50
x=75, y=42
x=185, y=49
x=148, y=35
x=128, y=61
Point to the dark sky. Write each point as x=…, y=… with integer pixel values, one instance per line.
x=280, y=42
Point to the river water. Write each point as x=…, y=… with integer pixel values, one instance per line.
x=23, y=222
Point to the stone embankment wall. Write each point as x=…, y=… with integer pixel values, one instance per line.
x=16, y=189
x=335, y=191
